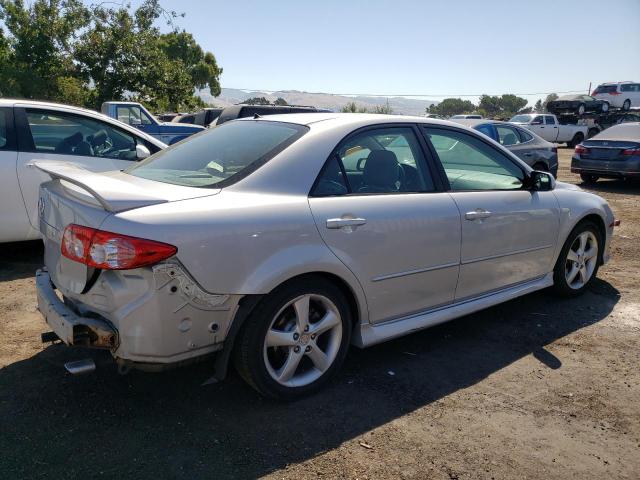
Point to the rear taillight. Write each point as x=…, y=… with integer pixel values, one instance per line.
x=631, y=151
x=581, y=149
x=111, y=251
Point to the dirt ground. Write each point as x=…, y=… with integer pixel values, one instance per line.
x=534, y=388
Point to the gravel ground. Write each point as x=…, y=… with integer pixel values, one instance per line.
x=535, y=388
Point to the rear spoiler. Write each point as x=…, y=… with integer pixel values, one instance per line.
x=113, y=194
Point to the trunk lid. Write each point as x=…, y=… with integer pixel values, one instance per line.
x=76, y=195
x=610, y=150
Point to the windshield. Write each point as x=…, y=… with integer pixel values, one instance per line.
x=521, y=118
x=218, y=157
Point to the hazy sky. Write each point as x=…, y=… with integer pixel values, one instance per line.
x=450, y=47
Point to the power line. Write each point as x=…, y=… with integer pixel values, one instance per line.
x=407, y=94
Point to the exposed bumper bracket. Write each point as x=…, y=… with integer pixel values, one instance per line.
x=71, y=328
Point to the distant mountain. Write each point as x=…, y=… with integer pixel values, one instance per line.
x=399, y=105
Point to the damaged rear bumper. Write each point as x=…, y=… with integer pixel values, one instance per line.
x=71, y=328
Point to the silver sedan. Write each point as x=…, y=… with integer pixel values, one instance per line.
x=279, y=241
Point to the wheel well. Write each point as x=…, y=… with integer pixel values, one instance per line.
x=338, y=282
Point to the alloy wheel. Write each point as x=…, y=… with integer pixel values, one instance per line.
x=303, y=340
x=582, y=259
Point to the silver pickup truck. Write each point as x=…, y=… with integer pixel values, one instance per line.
x=547, y=126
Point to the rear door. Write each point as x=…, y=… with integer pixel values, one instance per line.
x=508, y=233
x=49, y=134
x=380, y=209
x=13, y=216
x=538, y=127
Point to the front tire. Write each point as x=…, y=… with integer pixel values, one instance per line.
x=579, y=260
x=295, y=340
x=626, y=105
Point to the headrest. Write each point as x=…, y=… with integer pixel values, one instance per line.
x=381, y=169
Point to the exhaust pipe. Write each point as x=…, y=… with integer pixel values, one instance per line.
x=80, y=367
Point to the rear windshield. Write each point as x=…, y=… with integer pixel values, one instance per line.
x=605, y=89
x=221, y=156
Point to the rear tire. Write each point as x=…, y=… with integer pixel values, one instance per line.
x=589, y=179
x=577, y=138
x=578, y=261
x=626, y=105
x=288, y=368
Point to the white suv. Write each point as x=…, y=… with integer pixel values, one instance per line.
x=622, y=95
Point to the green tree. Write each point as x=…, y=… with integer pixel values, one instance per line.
x=538, y=106
x=352, y=107
x=384, y=109
x=40, y=41
x=550, y=98
x=504, y=106
x=256, y=101
x=452, y=106
x=280, y=101
x=62, y=50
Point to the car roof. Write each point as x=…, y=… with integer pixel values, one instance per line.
x=346, y=119
x=473, y=122
x=12, y=102
x=622, y=131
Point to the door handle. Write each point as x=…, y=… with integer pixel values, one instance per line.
x=335, y=223
x=477, y=214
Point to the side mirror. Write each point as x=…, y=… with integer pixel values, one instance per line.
x=142, y=152
x=541, y=181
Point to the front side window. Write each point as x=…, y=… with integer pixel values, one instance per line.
x=385, y=160
x=507, y=136
x=220, y=156
x=537, y=120
x=132, y=115
x=471, y=164
x=69, y=134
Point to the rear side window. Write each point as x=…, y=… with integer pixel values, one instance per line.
x=549, y=120
x=630, y=87
x=221, y=156
x=382, y=161
x=507, y=136
x=606, y=89
x=487, y=129
x=524, y=135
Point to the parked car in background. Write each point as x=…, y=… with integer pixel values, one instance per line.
x=281, y=240
x=473, y=116
x=578, y=105
x=31, y=130
x=204, y=117
x=137, y=116
x=549, y=128
x=613, y=153
x=434, y=115
x=169, y=116
x=243, y=111
x=624, y=95
x=529, y=147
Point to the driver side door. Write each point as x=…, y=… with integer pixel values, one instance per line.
x=59, y=135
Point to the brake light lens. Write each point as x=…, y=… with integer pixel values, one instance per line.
x=111, y=251
x=581, y=149
x=631, y=151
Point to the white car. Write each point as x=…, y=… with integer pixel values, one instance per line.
x=31, y=130
x=624, y=95
x=280, y=240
